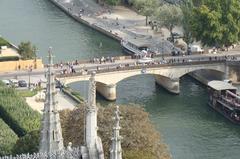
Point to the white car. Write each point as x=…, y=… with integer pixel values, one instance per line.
x=6, y=82
x=145, y=60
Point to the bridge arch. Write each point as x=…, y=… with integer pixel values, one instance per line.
x=166, y=76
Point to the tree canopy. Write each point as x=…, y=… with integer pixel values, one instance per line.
x=187, y=9
x=140, y=139
x=27, y=144
x=169, y=16
x=146, y=8
x=27, y=50
x=112, y=2
x=216, y=22
x=4, y=42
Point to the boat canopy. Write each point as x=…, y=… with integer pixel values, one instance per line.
x=220, y=85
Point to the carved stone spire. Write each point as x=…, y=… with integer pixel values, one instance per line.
x=116, y=149
x=51, y=132
x=91, y=105
x=93, y=142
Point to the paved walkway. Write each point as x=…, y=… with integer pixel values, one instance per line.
x=64, y=102
x=118, y=21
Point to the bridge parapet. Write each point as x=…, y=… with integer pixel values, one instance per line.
x=167, y=75
x=137, y=67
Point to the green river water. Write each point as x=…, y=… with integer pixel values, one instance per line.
x=191, y=129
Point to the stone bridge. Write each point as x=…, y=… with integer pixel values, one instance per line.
x=166, y=75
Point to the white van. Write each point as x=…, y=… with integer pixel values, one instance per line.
x=196, y=48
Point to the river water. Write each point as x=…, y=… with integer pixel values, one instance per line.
x=191, y=129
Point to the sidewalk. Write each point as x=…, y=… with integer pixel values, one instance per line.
x=64, y=102
x=118, y=22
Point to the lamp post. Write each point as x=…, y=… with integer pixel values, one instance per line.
x=162, y=39
x=29, y=77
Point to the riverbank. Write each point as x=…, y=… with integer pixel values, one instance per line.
x=119, y=23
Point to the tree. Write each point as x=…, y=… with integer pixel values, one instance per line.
x=27, y=50
x=4, y=42
x=112, y=2
x=169, y=16
x=146, y=8
x=27, y=144
x=187, y=9
x=140, y=139
x=217, y=23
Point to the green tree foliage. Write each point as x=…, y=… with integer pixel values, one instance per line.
x=7, y=139
x=112, y=2
x=169, y=16
x=4, y=42
x=146, y=8
x=140, y=139
x=16, y=113
x=217, y=22
x=27, y=50
x=187, y=9
x=27, y=144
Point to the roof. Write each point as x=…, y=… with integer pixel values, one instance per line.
x=220, y=85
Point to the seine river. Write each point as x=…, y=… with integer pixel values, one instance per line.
x=190, y=128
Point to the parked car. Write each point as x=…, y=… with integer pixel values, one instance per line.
x=176, y=34
x=14, y=82
x=58, y=84
x=22, y=83
x=6, y=82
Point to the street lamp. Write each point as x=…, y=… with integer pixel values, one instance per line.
x=162, y=47
x=29, y=79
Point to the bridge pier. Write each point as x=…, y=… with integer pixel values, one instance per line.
x=107, y=91
x=172, y=85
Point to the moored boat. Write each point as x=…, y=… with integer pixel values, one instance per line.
x=133, y=49
x=223, y=98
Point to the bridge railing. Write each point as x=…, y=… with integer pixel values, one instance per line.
x=87, y=61
x=130, y=67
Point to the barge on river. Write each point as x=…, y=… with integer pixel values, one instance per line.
x=224, y=99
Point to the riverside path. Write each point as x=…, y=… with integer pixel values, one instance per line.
x=119, y=23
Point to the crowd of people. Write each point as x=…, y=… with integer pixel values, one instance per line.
x=70, y=67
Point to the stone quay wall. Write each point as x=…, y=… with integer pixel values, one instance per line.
x=85, y=22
